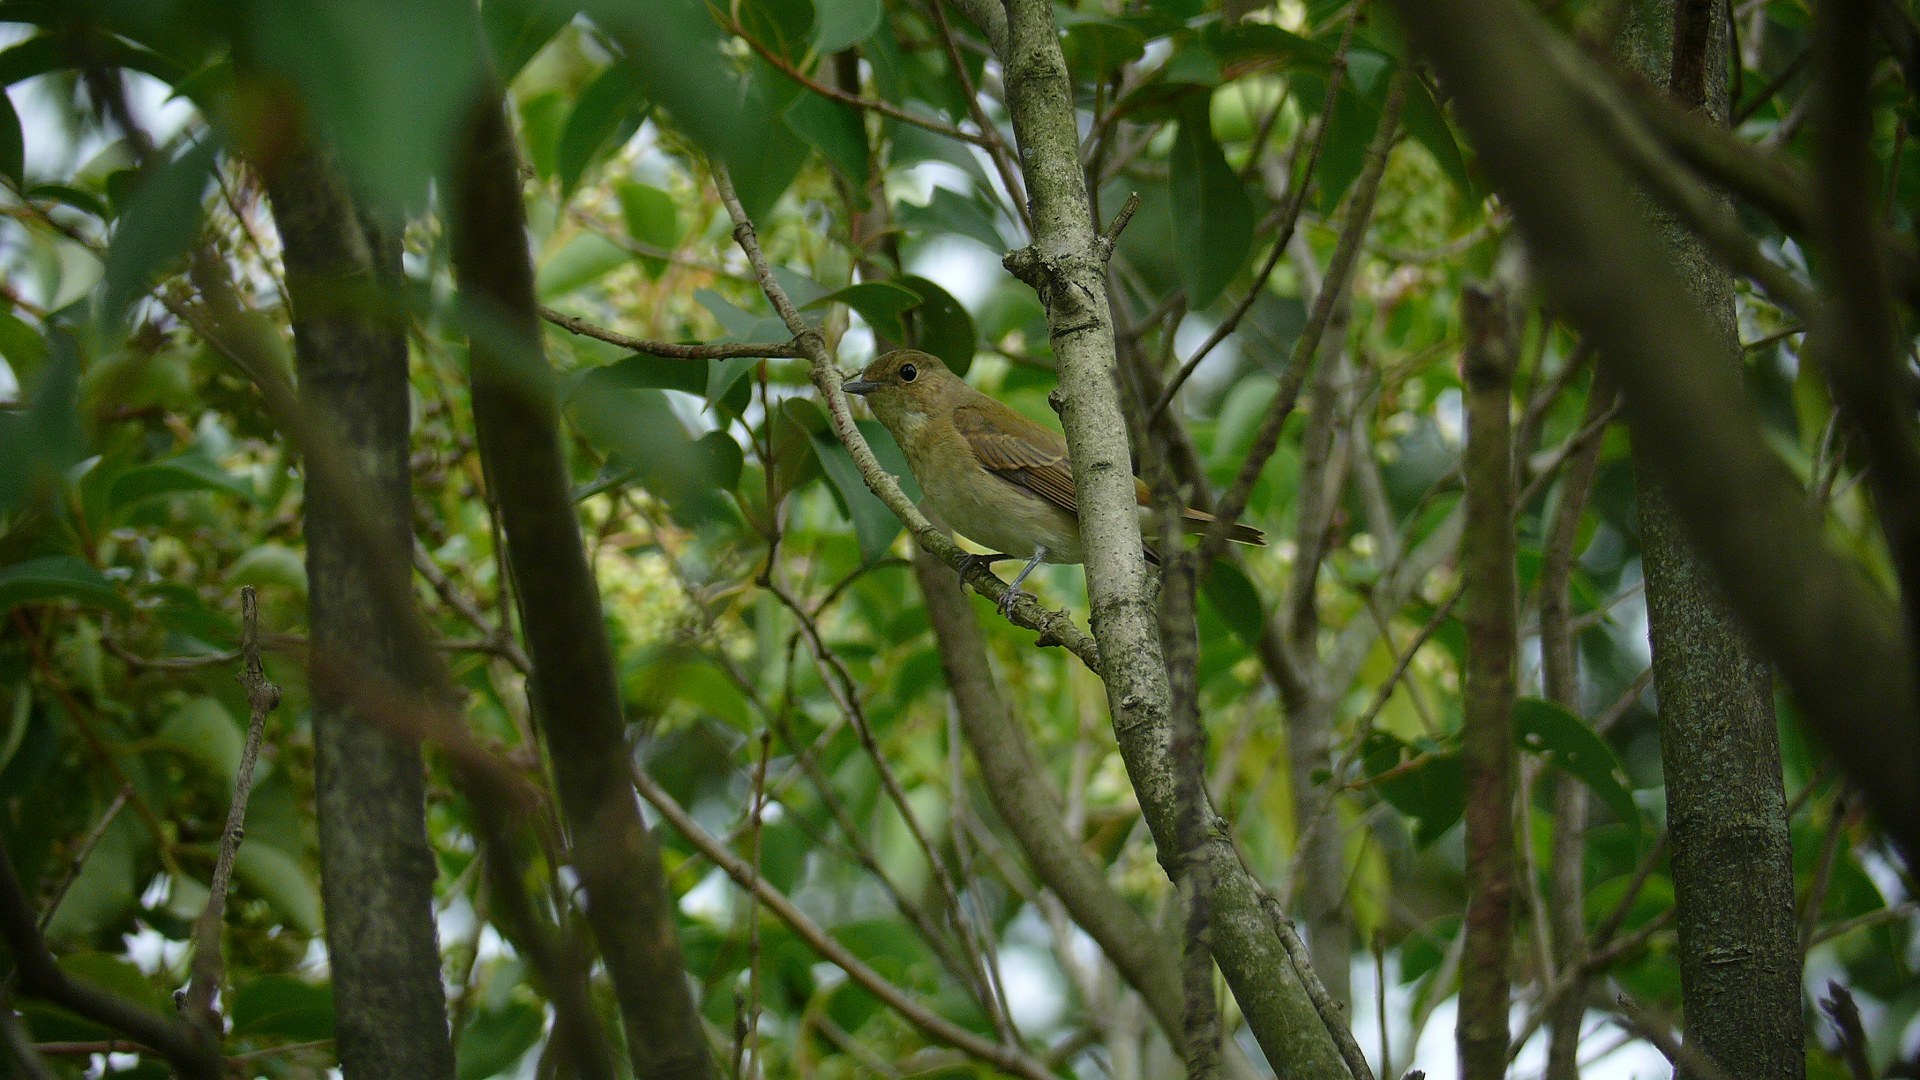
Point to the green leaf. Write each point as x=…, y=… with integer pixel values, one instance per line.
x=1236, y=601
x=1244, y=42
x=880, y=303
x=389, y=85
x=161, y=219
x=873, y=524
x=723, y=375
x=270, y=564
x=104, y=894
x=838, y=24
x=1095, y=47
x=1428, y=125
x=202, y=730
x=284, y=882
x=642, y=371
x=285, y=1007
x=1353, y=124
x=57, y=52
x=42, y=443
x=608, y=106
x=13, y=147
x=833, y=129
x=58, y=577
x=1569, y=745
x=581, y=261
x=1423, y=781
x=517, y=29
x=940, y=325
x=496, y=1039
x=191, y=471
x=951, y=212
x=653, y=218
x=1212, y=217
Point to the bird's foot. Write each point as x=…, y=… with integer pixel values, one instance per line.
x=970, y=562
x=1008, y=599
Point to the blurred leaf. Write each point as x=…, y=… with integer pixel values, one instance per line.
x=202, y=730
x=1212, y=216
x=1244, y=41
x=1428, y=124
x=161, y=219
x=880, y=303
x=13, y=147
x=190, y=471
x=836, y=131
x=1352, y=126
x=1231, y=595
x=1569, y=745
x=517, y=29
x=39, y=55
x=723, y=375
x=103, y=895
x=38, y=446
x=582, y=260
x=609, y=106
x=652, y=218
x=642, y=371
x=940, y=325
x=839, y=24
x=58, y=577
x=496, y=1039
x=389, y=84
x=1423, y=782
x=114, y=974
x=284, y=882
x=270, y=564
x=1096, y=47
x=282, y=1006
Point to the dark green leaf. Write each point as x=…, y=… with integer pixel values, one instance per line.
x=643, y=372
x=40, y=444
x=951, y=212
x=608, y=106
x=1251, y=41
x=495, y=1039
x=161, y=219
x=389, y=84
x=940, y=325
x=723, y=375
x=1571, y=746
x=39, y=55
x=1094, y=48
x=1212, y=216
x=835, y=130
x=880, y=303
x=873, y=524
x=13, y=147
x=838, y=24
x=1236, y=601
x=1427, y=124
x=58, y=577
x=283, y=1007
x=517, y=29
x=653, y=218
x=187, y=472
x=1424, y=782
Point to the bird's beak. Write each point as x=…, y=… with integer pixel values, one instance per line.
x=862, y=387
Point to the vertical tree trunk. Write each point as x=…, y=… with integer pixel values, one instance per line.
x=1487, y=564
x=377, y=870
x=1719, y=744
x=575, y=691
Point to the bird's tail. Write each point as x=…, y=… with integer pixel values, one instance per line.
x=1198, y=520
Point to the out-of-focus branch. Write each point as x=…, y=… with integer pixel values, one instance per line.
x=1836, y=639
x=1486, y=745
x=187, y=1047
x=1011, y=1059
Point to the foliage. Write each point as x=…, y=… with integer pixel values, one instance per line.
x=142, y=482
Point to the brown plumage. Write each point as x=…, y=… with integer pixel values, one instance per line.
x=997, y=477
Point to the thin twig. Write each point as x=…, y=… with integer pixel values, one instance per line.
x=1007, y=1058
x=78, y=860
x=670, y=350
x=756, y=815
x=209, y=967
x=1688, y=1057
x=1845, y=1015
x=1323, y=1003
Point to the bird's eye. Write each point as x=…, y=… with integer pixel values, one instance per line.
x=908, y=373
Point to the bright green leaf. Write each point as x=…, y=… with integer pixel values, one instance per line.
x=653, y=218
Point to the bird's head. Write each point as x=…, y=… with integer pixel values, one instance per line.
x=904, y=387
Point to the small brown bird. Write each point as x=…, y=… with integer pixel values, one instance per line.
x=996, y=476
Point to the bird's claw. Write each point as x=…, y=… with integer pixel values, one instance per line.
x=1008, y=599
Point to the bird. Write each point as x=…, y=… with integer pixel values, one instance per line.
x=999, y=478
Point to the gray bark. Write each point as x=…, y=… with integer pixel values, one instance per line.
x=377, y=870
x=1732, y=860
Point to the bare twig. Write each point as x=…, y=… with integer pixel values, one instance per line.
x=1845, y=1015
x=670, y=350
x=1687, y=1056
x=1007, y=1058
x=78, y=860
x=1323, y=1003
x=209, y=967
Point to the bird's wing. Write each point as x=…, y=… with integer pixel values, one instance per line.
x=1018, y=451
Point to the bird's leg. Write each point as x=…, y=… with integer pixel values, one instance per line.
x=1013, y=594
